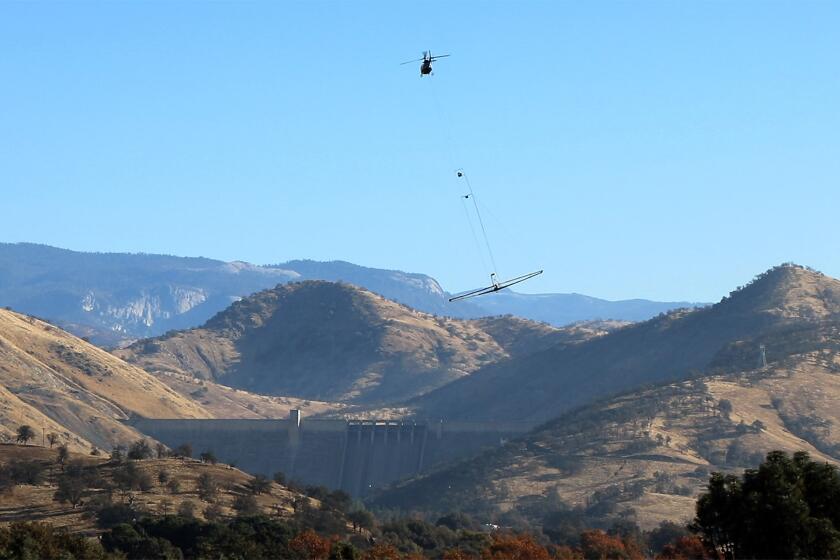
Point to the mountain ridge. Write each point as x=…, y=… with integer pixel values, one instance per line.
x=646, y=453
x=667, y=347
x=334, y=341
x=111, y=298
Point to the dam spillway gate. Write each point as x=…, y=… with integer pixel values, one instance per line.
x=357, y=456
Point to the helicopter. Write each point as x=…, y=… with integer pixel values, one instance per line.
x=426, y=66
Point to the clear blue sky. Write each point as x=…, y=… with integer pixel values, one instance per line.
x=668, y=150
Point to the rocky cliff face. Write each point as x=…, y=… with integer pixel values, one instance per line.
x=113, y=297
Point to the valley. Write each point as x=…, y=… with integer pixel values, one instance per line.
x=337, y=386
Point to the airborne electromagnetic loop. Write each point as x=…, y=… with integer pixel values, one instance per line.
x=495, y=285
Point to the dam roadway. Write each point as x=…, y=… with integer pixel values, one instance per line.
x=357, y=456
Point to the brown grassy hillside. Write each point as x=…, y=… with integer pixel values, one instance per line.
x=25, y=502
x=646, y=454
x=226, y=402
x=53, y=380
x=542, y=385
x=336, y=342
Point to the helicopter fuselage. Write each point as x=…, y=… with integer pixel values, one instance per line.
x=426, y=68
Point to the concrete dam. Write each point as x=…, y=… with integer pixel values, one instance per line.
x=357, y=456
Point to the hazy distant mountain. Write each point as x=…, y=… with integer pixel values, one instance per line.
x=337, y=342
x=424, y=293
x=542, y=385
x=563, y=309
x=111, y=297
x=126, y=296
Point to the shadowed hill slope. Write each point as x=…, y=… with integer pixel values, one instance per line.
x=645, y=455
x=331, y=341
x=542, y=385
x=50, y=379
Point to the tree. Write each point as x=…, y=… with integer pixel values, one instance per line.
x=361, y=519
x=597, y=545
x=246, y=505
x=186, y=509
x=7, y=481
x=385, y=552
x=27, y=472
x=161, y=450
x=173, y=486
x=165, y=505
x=280, y=478
x=213, y=512
x=134, y=543
x=42, y=540
x=128, y=477
x=685, y=548
x=117, y=453
x=311, y=546
x=71, y=489
x=140, y=450
x=565, y=552
x=666, y=533
x=75, y=482
x=52, y=438
x=183, y=450
x=259, y=484
x=25, y=433
x=508, y=546
x=111, y=515
x=457, y=520
x=63, y=455
x=208, y=488
x=787, y=508
x=144, y=482
x=208, y=457
x=725, y=407
x=458, y=554
x=163, y=476
x=338, y=499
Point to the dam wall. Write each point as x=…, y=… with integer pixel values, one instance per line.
x=357, y=456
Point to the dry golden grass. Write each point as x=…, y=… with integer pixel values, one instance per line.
x=37, y=503
x=59, y=383
x=227, y=402
x=662, y=441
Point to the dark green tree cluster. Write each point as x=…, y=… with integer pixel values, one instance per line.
x=24, y=434
x=787, y=508
x=44, y=542
x=17, y=472
x=140, y=450
x=73, y=485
